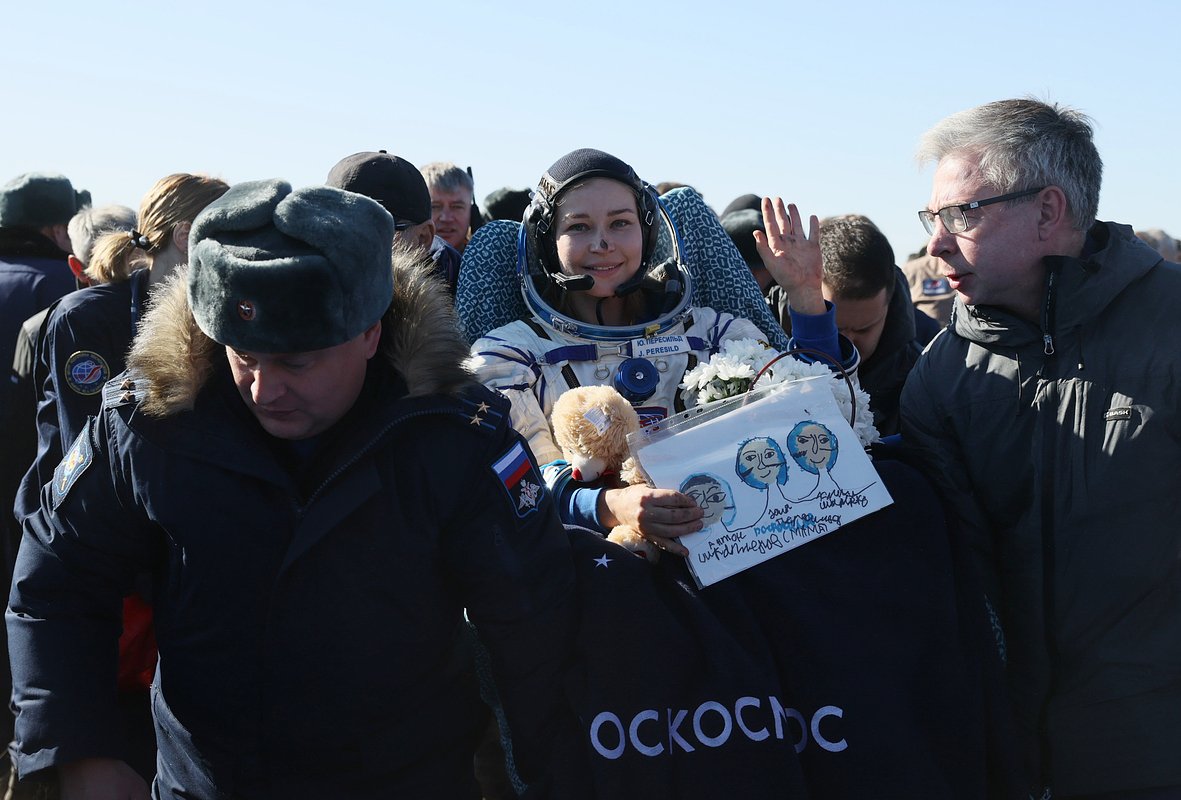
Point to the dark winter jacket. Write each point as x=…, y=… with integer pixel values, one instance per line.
x=1059, y=446
x=83, y=344
x=33, y=273
x=308, y=618
x=447, y=261
x=18, y=431
x=860, y=665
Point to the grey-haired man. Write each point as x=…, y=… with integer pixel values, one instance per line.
x=1049, y=413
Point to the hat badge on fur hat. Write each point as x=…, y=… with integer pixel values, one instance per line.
x=273, y=270
x=37, y=199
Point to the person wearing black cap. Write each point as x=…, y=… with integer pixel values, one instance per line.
x=400, y=188
x=744, y=202
x=506, y=203
x=283, y=455
x=606, y=308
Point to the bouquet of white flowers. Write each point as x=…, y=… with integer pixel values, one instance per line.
x=732, y=371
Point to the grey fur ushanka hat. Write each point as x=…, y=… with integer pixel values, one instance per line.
x=37, y=199
x=273, y=270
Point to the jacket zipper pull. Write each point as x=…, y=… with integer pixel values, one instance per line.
x=1048, y=309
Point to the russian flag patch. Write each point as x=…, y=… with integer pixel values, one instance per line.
x=519, y=477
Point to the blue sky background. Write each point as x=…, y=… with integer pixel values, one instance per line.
x=822, y=103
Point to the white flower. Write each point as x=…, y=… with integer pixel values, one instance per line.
x=751, y=351
x=732, y=370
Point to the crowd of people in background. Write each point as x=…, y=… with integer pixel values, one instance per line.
x=284, y=515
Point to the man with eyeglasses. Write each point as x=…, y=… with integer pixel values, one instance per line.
x=1049, y=414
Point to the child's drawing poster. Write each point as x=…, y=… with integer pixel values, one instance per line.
x=770, y=475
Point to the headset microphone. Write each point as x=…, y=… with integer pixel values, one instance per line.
x=573, y=283
x=630, y=285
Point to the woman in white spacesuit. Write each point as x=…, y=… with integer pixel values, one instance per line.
x=608, y=301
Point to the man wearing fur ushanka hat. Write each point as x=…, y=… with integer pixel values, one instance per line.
x=283, y=456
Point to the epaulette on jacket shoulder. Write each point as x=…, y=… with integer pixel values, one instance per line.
x=482, y=409
x=126, y=388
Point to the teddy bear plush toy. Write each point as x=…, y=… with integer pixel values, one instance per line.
x=590, y=425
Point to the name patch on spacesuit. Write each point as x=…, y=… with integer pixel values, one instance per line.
x=520, y=479
x=86, y=372
x=660, y=346
x=75, y=462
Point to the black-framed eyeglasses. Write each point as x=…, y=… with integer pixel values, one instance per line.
x=956, y=221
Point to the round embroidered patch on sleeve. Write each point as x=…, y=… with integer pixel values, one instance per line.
x=86, y=372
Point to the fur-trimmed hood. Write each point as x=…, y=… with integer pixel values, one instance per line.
x=420, y=339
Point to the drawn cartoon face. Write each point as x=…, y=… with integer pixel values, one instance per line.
x=760, y=462
x=813, y=446
x=712, y=495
